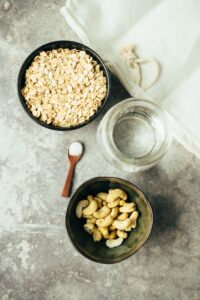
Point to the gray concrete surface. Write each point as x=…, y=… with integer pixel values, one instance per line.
x=37, y=260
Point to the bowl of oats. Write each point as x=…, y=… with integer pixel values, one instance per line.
x=63, y=85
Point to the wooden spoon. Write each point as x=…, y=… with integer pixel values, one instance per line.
x=75, y=152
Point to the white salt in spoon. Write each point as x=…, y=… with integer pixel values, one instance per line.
x=75, y=152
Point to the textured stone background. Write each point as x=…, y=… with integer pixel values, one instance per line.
x=37, y=260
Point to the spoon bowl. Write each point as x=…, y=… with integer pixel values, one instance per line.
x=75, y=153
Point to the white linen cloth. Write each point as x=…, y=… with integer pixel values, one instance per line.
x=166, y=30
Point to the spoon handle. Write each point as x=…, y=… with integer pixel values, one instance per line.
x=67, y=186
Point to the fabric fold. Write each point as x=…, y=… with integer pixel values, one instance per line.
x=168, y=31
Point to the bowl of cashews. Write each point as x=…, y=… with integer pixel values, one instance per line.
x=108, y=219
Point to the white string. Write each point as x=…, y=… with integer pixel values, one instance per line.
x=134, y=62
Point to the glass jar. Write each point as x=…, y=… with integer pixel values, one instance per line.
x=134, y=135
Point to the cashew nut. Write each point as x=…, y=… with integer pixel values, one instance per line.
x=114, y=203
x=102, y=212
x=80, y=206
x=128, y=207
x=99, y=201
x=122, y=202
x=104, y=231
x=112, y=228
x=122, y=234
x=122, y=217
x=114, y=212
x=134, y=217
x=87, y=216
x=114, y=243
x=104, y=203
x=89, y=228
x=122, y=225
x=103, y=196
x=90, y=197
x=129, y=228
x=104, y=222
x=91, y=220
x=97, y=236
x=113, y=235
x=116, y=193
x=92, y=207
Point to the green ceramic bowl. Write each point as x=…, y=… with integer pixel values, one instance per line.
x=98, y=251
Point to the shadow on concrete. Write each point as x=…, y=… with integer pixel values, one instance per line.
x=165, y=216
x=164, y=197
x=117, y=92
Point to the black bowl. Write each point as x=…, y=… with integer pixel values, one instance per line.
x=56, y=45
x=98, y=251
